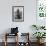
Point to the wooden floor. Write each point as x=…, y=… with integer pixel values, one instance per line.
x=13, y=44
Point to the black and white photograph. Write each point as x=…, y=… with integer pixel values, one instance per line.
x=17, y=13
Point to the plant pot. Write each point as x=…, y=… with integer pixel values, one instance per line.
x=40, y=41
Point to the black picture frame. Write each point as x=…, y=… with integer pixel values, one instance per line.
x=17, y=13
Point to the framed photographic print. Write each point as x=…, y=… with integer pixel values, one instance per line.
x=17, y=13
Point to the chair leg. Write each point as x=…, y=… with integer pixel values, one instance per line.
x=5, y=39
x=5, y=43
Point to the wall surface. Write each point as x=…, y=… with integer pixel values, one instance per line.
x=6, y=15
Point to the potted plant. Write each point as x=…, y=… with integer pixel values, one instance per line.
x=42, y=27
x=35, y=26
x=39, y=35
x=38, y=27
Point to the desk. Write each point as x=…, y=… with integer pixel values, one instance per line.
x=8, y=34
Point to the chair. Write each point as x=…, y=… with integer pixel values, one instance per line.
x=7, y=35
x=14, y=32
x=26, y=41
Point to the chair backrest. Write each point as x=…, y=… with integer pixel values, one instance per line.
x=14, y=30
x=24, y=37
